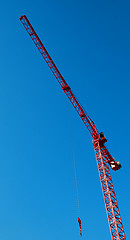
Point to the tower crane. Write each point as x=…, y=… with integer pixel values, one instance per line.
x=103, y=157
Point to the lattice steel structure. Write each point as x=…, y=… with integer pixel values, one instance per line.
x=103, y=157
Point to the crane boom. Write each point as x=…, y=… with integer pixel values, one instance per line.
x=103, y=156
x=67, y=90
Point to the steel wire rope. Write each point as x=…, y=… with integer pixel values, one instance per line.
x=73, y=160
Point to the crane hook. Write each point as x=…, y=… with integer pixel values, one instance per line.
x=79, y=221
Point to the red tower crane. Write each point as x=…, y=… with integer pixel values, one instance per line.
x=103, y=157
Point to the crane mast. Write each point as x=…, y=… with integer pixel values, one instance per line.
x=103, y=157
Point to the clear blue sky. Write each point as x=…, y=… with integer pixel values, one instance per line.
x=90, y=43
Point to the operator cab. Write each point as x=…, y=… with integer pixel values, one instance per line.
x=102, y=138
x=115, y=165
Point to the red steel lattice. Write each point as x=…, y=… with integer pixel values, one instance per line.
x=103, y=157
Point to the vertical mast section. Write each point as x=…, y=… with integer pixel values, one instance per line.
x=113, y=214
x=103, y=157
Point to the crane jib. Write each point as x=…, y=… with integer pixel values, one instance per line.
x=88, y=123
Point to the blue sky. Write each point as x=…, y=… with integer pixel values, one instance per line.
x=89, y=42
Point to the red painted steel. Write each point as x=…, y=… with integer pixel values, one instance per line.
x=113, y=214
x=103, y=157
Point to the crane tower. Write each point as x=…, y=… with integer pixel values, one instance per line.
x=103, y=157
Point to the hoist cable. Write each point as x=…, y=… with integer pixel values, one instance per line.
x=73, y=161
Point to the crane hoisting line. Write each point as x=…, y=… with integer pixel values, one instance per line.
x=74, y=166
